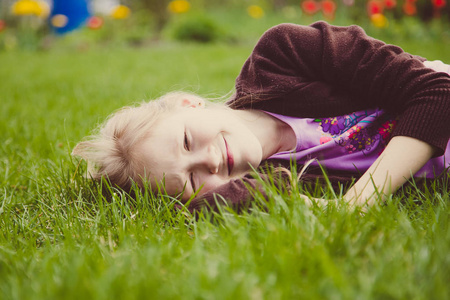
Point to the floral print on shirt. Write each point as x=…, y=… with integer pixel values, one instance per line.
x=359, y=131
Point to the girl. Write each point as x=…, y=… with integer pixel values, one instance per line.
x=359, y=107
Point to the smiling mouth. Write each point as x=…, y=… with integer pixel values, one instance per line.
x=230, y=159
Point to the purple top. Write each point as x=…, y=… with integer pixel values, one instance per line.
x=349, y=143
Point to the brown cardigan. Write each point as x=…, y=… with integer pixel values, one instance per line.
x=324, y=71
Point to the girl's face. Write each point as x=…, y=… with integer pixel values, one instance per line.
x=198, y=149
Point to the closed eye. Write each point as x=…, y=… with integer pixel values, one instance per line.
x=187, y=147
x=186, y=142
x=191, y=178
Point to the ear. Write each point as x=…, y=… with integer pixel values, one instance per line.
x=192, y=102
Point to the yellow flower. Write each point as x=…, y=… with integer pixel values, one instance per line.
x=30, y=7
x=255, y=11
x=179, y=6
x=120, y=12
x=379, y=20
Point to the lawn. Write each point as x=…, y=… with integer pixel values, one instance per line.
x=61, y=239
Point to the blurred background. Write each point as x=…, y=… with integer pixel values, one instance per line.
x=83, y=24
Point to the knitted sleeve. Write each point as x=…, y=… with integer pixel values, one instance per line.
x=323, y=70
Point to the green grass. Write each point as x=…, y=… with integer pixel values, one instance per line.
x=60, y=239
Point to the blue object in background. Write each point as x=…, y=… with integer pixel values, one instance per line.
x=76, y=11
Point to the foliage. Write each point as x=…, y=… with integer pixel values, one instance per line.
x=197, y=28
x=136, y=22
x=156, y=9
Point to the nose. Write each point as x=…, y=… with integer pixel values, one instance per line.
x=208, y=159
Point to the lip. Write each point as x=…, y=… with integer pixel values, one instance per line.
x=230, y=159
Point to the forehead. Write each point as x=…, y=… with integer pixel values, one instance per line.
x=160, y=153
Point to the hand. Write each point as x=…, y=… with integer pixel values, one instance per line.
x=311, y=200
x=400, y=160
x=437, y=65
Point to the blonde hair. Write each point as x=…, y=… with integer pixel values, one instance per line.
x=112, y=151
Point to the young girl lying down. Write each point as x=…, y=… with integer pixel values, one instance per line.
x=357, y=106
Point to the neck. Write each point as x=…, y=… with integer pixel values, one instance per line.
x=274, y=135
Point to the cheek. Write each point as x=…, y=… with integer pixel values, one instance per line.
x=248, y=150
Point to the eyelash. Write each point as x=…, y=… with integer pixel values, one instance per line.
x=186, y=143
x=191, y=178
x=186, y=146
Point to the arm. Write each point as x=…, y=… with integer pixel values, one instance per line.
x=323, y=70
x=401, y=159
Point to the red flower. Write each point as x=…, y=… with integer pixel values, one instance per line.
x=409, y=8
x=2, y=25
x=386, y=129
x=329, y=8
x=95, y=22
x=310, y=7
x=375, y=7
x=390, y=4
x=439, y=3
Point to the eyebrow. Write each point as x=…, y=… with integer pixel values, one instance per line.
x=178, y=146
